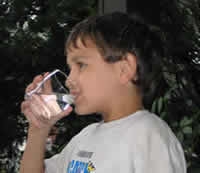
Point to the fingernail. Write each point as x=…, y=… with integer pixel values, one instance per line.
x=69, y=108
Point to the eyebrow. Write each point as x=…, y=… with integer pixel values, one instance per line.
x=75, y=59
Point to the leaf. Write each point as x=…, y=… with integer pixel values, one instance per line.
x=180, y=136
x=185, y=122
x=198, y=129
x=187, y=130
x=163, y=114
x=153, y=108
x=160, y=104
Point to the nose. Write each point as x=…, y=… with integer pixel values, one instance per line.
x=71, y=80
x=71, y=84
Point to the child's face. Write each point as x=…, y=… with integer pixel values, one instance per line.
x=95, y=83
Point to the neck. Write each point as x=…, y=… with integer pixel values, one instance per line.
x=123, y=106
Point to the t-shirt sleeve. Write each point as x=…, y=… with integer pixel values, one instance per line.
x=157, y=150
x=59, y=162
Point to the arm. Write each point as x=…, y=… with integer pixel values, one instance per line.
x=32, y=160
x=35, y=110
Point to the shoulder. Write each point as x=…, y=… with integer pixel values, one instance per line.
x=148, y=129
x=86, y=131
x=155, y=139
x=151, y=137
x=149, y=123
x=80, y=136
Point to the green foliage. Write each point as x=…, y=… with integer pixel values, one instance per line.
x=186, y=127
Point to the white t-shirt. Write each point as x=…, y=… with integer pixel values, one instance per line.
x=139, y=143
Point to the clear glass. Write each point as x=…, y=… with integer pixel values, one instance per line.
x=54, y=91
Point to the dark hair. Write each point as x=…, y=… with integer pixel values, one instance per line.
x=117, y=34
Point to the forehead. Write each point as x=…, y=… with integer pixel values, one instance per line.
x=82, y=49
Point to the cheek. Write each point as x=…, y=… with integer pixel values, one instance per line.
x=98, y=83
x=99, y=88
x=91, y=89
x=96, y=94
x=89, y=101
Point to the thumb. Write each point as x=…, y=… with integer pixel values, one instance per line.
x=65, y=112
x=47, y=86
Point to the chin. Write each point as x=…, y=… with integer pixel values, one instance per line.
x=83, y=110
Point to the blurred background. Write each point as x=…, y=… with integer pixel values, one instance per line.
x=32, y=36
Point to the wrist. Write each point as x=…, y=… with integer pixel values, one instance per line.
x=39, y=132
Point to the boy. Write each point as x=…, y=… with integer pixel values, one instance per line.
x=111, y=60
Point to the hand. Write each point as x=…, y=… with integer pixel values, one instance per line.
x=36, y=110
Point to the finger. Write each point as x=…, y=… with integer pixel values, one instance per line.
x=37, y=106
x=45, y=112
x=23, y=106
x=34, y=84
x=32, y=119
x=30, y=87
x=38, y=78
x=30, y=116
x=45, y=74
x=35, y=112
x=47, y=87
x=45, y=115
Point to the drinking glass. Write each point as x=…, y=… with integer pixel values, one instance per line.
x=54, y=91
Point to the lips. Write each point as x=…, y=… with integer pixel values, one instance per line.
x=74, y=90
x=75, y=94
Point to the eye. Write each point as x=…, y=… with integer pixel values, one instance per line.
x=81, y=65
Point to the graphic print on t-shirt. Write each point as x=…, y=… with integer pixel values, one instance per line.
x=77, y=166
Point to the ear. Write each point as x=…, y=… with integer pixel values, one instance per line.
x=128, y=68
